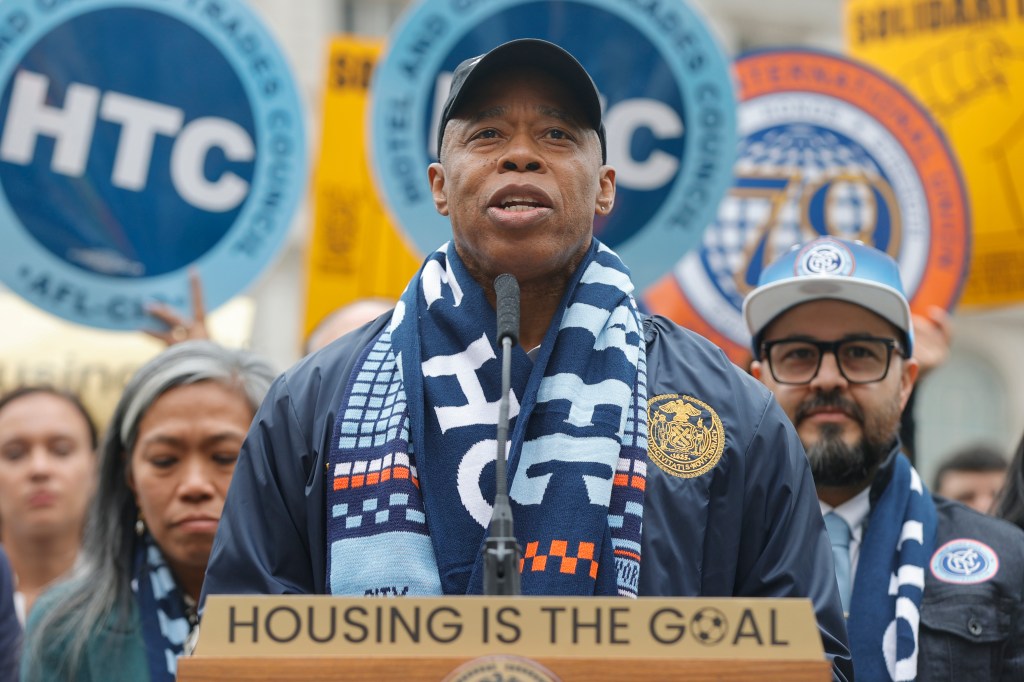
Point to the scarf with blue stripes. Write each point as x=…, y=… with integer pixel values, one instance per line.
x=411, y=466
x=162, y=610
x=885, y=607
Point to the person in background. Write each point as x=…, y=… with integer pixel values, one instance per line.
x=166, y=460
x=10, y=628
x=642, y=462
x=934, y=590
x=1009, y=504
x=47, y=477
x=344, y=319
x=973, y=476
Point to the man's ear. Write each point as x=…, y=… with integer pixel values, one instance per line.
x=908, y=376
x=606, y=191
x=756, y=369
x=435, y=173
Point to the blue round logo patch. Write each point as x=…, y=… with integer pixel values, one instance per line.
x=831, y=258
x=671, y=133
x=138, y=138
x=964, y=562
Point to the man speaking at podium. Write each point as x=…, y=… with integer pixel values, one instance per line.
x=369, y=467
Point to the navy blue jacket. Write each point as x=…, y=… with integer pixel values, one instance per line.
x=972, y=625
x=745, y=523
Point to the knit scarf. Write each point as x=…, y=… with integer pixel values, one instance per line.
x=411, y=466
x=886, y=600
x=162, y=610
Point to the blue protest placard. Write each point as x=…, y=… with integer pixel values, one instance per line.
x=669, y=110
x=138, y=138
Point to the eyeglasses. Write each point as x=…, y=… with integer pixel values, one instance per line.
x=861, y=360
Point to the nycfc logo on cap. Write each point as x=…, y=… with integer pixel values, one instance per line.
x=670, y=133
x=825, y=259
x=965, y=562
x=138, y=138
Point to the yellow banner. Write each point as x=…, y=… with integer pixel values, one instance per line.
x=964, y=59
x=354, y=250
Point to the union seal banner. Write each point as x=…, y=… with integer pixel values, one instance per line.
x=964, y=59
x=669, y=111
x=827, y=146
x=138, y=138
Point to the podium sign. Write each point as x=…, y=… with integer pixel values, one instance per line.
x=321, y=637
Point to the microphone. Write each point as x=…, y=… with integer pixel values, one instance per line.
x=501, y=551
x=506, y=290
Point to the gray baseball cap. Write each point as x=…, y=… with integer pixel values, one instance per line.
x=830, y=268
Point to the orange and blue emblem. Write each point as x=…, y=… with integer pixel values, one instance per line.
x=829, y=147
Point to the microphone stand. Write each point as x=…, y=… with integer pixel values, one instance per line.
x=501, y=551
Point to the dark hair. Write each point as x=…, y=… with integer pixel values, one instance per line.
x=98, y=593
x=975, y=458
x=1009, y=503
x=46, y=389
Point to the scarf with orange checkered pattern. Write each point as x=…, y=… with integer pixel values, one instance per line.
x=411, y=467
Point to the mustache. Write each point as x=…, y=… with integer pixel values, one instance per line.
x=830, y=400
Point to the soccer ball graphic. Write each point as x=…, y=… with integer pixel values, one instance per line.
x=709, y=626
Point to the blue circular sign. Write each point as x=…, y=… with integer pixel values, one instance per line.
x=671, y=132
x=139, y=138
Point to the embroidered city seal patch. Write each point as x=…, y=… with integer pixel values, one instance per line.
x=686, y=437
x=965, y=562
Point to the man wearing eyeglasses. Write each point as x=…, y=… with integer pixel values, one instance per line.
x=932, y=590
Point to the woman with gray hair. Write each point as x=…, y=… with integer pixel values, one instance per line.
x=165, y=464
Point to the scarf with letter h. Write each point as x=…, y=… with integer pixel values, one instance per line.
x=411, y=467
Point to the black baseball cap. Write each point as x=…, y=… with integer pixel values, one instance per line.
x=526, y=52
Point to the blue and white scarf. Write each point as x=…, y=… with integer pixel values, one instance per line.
x=886, y=601
x=411, y=474
x=162, y=611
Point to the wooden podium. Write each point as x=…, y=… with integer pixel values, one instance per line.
x=527, y=639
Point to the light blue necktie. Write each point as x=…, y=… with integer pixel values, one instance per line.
x=839, y=536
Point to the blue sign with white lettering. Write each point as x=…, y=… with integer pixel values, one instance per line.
x=138, y=138
x=669, y=111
